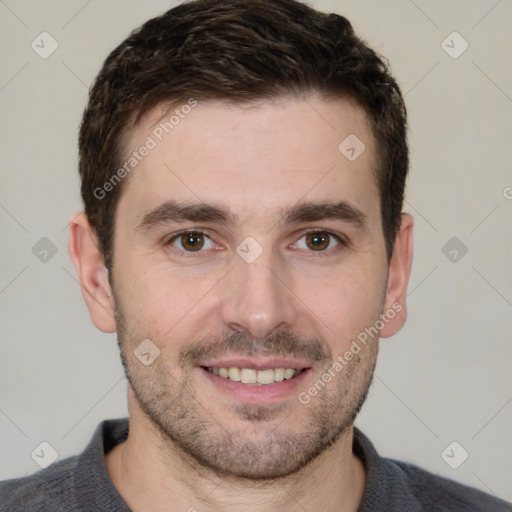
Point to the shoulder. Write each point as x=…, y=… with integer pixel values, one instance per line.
x=437, y=493
x=78, y=483
x=396, y=485
x=46, y=490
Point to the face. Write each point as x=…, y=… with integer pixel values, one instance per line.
x=249, y=251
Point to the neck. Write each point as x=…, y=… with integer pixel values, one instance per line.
x=153, y=474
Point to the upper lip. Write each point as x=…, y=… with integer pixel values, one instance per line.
x=256, y=364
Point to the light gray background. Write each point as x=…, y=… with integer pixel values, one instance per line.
x=445, y=377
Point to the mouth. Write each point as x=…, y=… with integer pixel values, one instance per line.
x=253, y=376
x=256, y=382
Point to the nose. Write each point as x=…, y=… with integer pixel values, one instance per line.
x=258, y=297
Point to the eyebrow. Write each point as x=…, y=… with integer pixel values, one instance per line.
x=326, y=210
x=173, y=211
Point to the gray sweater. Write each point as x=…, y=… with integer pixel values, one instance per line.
x=81, y=483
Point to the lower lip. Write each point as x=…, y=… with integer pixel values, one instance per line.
x=256, y=393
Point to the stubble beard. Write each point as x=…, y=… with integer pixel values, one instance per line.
x=263, y=446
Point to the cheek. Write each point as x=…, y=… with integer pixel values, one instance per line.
x=345, y=303
x=162, y=300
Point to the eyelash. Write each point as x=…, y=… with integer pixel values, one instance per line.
x=343, y=242
x=192, y=254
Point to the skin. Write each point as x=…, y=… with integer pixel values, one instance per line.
x=194, y=444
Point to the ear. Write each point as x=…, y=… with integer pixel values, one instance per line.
x=398, y=278
x=92, y=273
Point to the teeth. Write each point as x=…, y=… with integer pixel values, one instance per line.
x=251, y=376
x=266, y=376
x=234, y=374
x=248, y=376
x=279, y=374
x=289, y=373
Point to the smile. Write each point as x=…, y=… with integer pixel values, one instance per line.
x=253, y=376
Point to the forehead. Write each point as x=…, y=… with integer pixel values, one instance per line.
x=264, y=156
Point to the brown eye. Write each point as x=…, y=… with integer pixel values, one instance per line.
x=318, y=241
x=192, y=241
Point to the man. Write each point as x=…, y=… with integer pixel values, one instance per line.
x=243, y=166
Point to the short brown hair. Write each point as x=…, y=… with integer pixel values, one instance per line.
x=240, y=51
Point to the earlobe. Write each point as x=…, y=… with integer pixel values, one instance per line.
x=91, y=271
x=398, y=278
